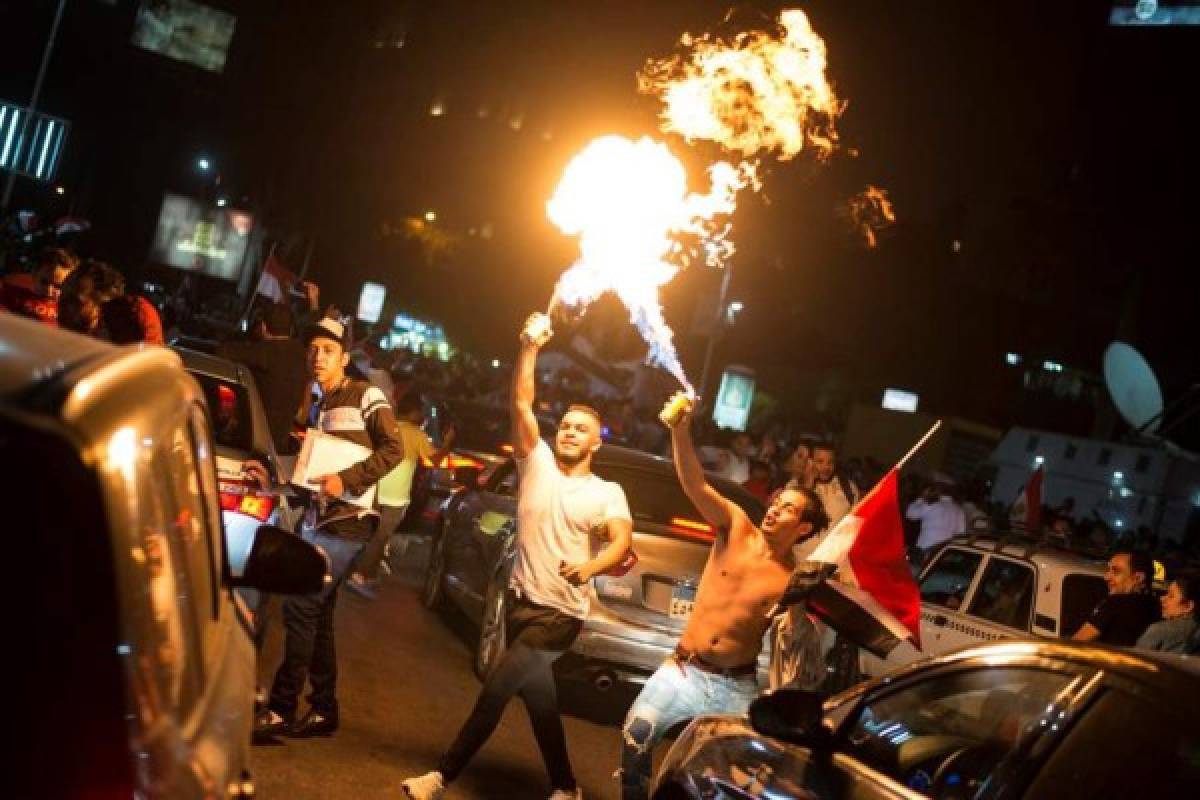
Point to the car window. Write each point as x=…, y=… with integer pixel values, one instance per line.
x=171, y=673
x=1117, y=725
x=657, y=496
x=946, y=582
x=190, y=522
x=503, y=480
x=1005, y=593
x=229, y=412
x=1081, y=593
x=945, y=735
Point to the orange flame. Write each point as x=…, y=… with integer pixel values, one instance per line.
x=868, y=212
x=759, y=93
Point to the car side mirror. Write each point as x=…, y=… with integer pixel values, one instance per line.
x=282, y=563
x=790, y=715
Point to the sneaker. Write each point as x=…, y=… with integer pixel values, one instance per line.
x=314, y=723
x=565, y=794
x=429, y=786
x=268, y=725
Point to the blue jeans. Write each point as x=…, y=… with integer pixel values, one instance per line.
x=308, y=646
x=673, y=694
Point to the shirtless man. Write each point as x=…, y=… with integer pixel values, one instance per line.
x=713, y=669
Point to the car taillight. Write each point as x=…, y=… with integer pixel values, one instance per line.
x=452, y=462
x=693, y=529
x=245, y=499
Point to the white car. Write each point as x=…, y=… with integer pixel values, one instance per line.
x=988, y=587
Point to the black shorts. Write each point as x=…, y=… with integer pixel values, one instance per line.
x=539, y=627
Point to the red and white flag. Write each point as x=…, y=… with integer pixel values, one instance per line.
x=867, y=546
x=1026, y=512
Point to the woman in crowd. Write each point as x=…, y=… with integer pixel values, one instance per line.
x=1179, y=630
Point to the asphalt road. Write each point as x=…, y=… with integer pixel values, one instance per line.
x=405, y=685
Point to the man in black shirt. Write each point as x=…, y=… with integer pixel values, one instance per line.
x=1130, y=608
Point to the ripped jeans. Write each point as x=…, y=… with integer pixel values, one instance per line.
x=674, y=694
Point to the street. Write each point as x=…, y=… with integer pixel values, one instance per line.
x=405, y=685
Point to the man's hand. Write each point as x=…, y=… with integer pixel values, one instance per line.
x=677, y=411
x=331, y=485
x=536, y=331
x=576, y=574
x=448, y=436
x=256, y=471
x=312, y=293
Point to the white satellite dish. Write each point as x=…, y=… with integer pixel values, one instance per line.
x=1133, y=387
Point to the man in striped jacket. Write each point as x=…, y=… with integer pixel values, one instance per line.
x=358, y=412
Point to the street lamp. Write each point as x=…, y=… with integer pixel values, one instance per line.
x=221, y=202
x=430, y=216
x=203, y=164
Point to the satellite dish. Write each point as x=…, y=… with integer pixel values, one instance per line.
x=1133, y=387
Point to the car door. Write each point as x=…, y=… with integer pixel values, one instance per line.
x=476, y=534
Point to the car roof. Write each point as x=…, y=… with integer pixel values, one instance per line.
x=1046, y=555
x=1172, y=674
x=618, y=456
x=33, y=353
x=209, y=364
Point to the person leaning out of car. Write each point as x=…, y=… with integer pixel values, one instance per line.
x=1179, y=630
x=1129, y=608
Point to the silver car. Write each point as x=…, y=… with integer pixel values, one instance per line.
x=135, y=670
x=636, y=618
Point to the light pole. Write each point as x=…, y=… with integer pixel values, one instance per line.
x=718, y=328
x=33, y=101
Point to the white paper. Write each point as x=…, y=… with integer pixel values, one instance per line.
x=323, y=454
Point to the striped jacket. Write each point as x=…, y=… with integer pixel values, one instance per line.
x=358, y=412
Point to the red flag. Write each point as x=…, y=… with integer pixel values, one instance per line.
x=1026, y=512
x=867, y=545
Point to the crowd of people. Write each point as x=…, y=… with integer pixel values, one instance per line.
x=316, y=375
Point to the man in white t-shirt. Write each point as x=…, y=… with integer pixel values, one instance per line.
x=571, y=526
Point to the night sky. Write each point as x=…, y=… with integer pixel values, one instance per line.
x=1053, y=149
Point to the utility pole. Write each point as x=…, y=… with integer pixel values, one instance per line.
x=718, y=328
x=33, y=101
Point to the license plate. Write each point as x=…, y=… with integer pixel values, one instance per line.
x=683, y=599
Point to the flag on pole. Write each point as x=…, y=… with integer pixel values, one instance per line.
x=1026, y=511
x=867, y=547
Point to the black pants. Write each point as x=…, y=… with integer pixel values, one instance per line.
x=309, y=651
x=538, y=637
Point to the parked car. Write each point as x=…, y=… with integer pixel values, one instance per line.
x=135, y=667
x=242, y=432
x=636, y=618
x=986, y=587
x=1032, y=719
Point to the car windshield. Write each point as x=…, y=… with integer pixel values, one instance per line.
x=657, y=497
x=229, y=412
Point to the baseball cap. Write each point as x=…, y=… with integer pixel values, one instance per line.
x=329, y=328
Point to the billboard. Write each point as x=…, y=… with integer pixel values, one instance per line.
x=31, y=143
x=199, y=238
x=732, y=410
x=370, y=302
x=185, y=31
x=1153, y=13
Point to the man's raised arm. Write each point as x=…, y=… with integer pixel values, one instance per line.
x=711, y=504
x=524, y=424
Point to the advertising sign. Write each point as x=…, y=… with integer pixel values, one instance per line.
x=732, y=409
x=199, y=238
x=370, y=302
x=185, y=31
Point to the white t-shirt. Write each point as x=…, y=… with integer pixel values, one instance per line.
x=939, y=521
x=555, y=516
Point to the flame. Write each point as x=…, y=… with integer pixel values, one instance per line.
x=628, y=203
x=763, y=93
x=869, y=212
x=760, y=93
